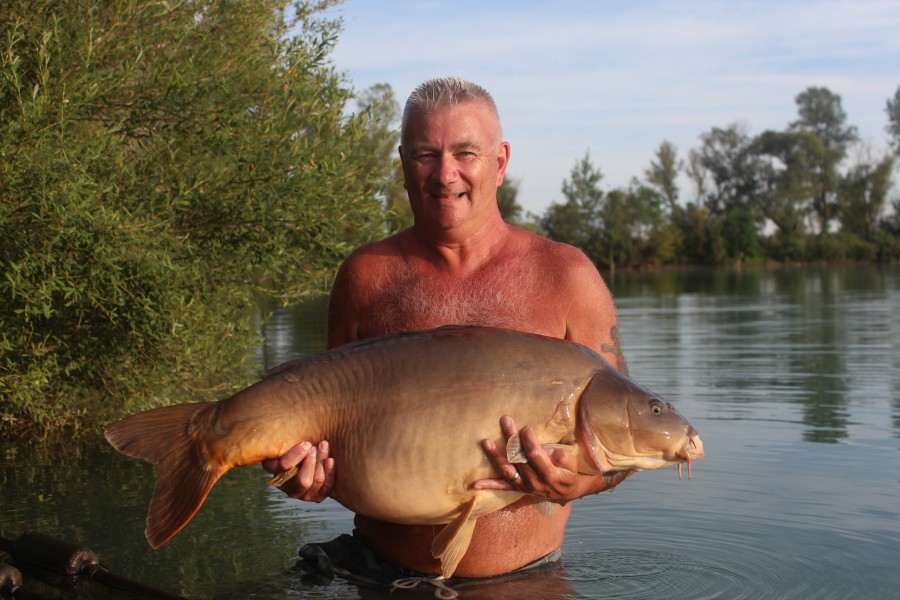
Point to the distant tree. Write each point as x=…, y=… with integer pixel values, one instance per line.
x=700, y=239
x=507, y=195
x=578, y=220
x=864, y=192
x=379, y=107
x=725, y=168
x=380, y=111
x=893, y=112
x=663, y=173
x=821, y=114
x=787, y=178
x=629, y=217
x=740, y=236
x=697, y=174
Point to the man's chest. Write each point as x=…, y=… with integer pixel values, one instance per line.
x=514, y=298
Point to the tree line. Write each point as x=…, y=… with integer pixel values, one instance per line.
x=796, y=195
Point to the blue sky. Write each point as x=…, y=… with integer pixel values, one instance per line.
x=616, y=78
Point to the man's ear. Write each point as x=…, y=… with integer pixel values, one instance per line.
x=502, y=161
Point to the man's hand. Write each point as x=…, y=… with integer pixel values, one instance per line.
x=549, y=473
x=314, y=480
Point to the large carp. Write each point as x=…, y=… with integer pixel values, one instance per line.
x=404, y=415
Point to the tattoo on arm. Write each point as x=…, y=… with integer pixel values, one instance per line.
x=616, y=349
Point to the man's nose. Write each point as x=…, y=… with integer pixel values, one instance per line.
x=447, y=170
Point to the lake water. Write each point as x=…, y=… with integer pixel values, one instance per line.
x=791, y=376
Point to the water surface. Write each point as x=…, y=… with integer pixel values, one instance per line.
x=791, y=376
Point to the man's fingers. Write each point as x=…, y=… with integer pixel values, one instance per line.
x=507, y=426
x=503, y=468
x=328, y=483
x=493, y=453
x=289, y=459
x=307, y=473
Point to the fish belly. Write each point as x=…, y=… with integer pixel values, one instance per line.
x=416, y=465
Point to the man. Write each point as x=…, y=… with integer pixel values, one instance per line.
x=462, y=264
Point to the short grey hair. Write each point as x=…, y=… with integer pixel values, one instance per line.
x=444, y=92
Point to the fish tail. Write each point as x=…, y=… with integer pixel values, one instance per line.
x=164, y=437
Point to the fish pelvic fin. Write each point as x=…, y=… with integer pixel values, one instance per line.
x=164, y=437
x=451, y=543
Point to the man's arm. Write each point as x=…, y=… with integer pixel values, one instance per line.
x=591, y=318
x=591, y=321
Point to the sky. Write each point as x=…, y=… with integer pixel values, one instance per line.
x=616, y=78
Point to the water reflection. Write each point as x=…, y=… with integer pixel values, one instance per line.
x=289, y=333
x=817, y=339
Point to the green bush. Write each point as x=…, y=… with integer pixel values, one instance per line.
x=160, y=165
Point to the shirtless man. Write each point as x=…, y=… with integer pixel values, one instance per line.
x=462, y=264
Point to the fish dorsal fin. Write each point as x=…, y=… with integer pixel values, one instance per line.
x=451, y=543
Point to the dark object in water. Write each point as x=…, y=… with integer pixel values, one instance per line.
x=41, y=552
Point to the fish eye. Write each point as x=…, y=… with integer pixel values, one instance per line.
x=656, y=407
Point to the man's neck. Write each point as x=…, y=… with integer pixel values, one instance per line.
x=461, y=252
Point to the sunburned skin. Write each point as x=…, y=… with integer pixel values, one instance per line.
x=488, y=297
x=526, y=282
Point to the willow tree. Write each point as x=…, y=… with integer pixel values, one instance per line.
x=161, y=165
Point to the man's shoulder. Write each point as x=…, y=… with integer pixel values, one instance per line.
x=386, y=249
x=569, y=269
x=558, y=254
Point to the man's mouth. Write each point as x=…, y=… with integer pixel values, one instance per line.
x=444, y=196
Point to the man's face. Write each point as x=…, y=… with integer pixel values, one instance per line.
x=453, y=162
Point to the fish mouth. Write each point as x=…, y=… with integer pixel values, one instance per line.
x=692, y=450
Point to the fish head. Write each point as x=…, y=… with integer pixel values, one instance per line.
x=627, y=427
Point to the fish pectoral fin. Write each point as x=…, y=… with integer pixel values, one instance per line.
x=284, y=476
x=451, y=543
x=515, y=453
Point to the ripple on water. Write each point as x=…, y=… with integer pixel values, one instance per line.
x=640, y=573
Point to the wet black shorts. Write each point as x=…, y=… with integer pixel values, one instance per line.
x=351, y=558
